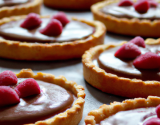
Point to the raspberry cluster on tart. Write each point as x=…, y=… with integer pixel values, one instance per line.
x=138, y=111
x=129, y=19
x=24, y=43
x=19, y=7
x=71, y=4
x=120, y=76
x=40, y=99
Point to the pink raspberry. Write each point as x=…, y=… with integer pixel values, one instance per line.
x=158, y=111
x=27, y=88
x=53, y=28
x=152, y=3
x=142, y=6
x=8, y=96
x=139, y=41
x=148, y=60
x=125, y=3
x=128, y=50
x=8, y=78
x=32, y=21
x=61, y=16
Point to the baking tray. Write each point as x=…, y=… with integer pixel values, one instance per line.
x=71, y=69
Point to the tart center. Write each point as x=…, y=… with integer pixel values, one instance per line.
x=52, y=100
x=4, y=3
x=129, y=12
x=131, y=117
x=74, y=30
x=125, y=68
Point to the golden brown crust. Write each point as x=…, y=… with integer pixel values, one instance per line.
x=105, y=111
x=113, y=84
x=71, y=4
x=51, y=51
x=22, y=9
x=73, y=115
x=146, y=28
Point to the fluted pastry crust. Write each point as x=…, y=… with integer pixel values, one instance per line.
x=95, y=116
x=71, y=116
x=111, y=83
x=51, y=51
x=22, y=9
x=125, y=26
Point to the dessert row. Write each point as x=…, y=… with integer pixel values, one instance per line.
x=129, y=68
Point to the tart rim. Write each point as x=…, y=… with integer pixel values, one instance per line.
x=74, y=114
x=78, y=46
x=113, y=84
x=25, y=8
x=146, y=28
x=104, y=111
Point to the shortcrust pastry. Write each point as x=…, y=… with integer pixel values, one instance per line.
x=60, y=102
x=124, y=79
x=54, y=48
x=125, y=20
x=19, y=7
x=131, y=111
x=71, y=4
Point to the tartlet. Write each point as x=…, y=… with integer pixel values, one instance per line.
x=96, y=116
x=21, y=9
x=21, y=50
x=70, y=4
x=112, y=83
x=72, y=115
x=123, y=25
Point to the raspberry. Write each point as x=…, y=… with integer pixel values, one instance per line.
x=53, y=28
x=125, y=3
x=152, y=3
x=61, y=16
x=152, y=121
x=32, y=21
x=148, y=60
x=128, y=50
x=139, y=41
x=142, y=6
x=27, y=88
x=8, y=78
x=158, y=111
x=8, y=96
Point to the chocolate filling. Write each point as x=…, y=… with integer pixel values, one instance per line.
x=125, y=68
x=4, y=3
x=74, y=30
x=52, y=100
x=129, y=12
x=130, y=117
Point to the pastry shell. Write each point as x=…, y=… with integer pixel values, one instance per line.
x=22, y=9
x=95, y=116
x=124, y=26
x=70, y=4
x=113, y=84
x=71, y=116
x=51, y=51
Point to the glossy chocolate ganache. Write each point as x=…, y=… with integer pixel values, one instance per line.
x=129, y=12
x=4, y=3
x=125, y=68
x=130, y=117
x=74, y=30
x=52, y=100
